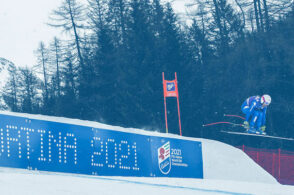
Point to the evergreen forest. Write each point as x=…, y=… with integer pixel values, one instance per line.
x=108, y=68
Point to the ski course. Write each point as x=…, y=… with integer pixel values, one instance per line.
x=226, y=169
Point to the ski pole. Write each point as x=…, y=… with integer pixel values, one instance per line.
x=216, y=123
x=237, y=116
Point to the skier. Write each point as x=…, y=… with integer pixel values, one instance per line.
x=255, y=109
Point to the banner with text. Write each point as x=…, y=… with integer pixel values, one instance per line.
x=60, y=147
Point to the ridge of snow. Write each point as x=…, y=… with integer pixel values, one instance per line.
x=220, y=161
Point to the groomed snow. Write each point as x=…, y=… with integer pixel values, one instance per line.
x=25, y=182
x=227, y=170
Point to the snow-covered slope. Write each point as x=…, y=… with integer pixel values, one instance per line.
x=224, y=162
x=25, y=182
x=227, y=170
x=220, y=161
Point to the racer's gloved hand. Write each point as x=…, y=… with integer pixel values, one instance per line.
x=262, y=128
x=246, y=125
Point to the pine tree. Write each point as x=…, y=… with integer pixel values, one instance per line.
x=43, y=65
x=11, y=90
x=70, y=17
x=29, y=84
x=69, y=98
x=56, y=52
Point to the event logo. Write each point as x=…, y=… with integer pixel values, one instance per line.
x=164, y=159
x=170, y=86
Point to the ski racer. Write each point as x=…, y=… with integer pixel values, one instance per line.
x=255, y=109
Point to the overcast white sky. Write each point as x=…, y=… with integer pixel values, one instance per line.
x=23, y=27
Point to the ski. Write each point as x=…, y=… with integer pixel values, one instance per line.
x=258, y=135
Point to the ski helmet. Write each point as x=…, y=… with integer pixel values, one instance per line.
x=266, y=99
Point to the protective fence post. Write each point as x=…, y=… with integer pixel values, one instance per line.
x=279, y=176
x=273, y=165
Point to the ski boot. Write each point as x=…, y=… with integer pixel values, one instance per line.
x=246, y=125
x=252, y=130
x=260, y=132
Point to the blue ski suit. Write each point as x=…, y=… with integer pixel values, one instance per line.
x=255, y=113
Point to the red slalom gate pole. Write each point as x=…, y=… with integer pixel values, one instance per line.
x=166, y=125
x=179, y=114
